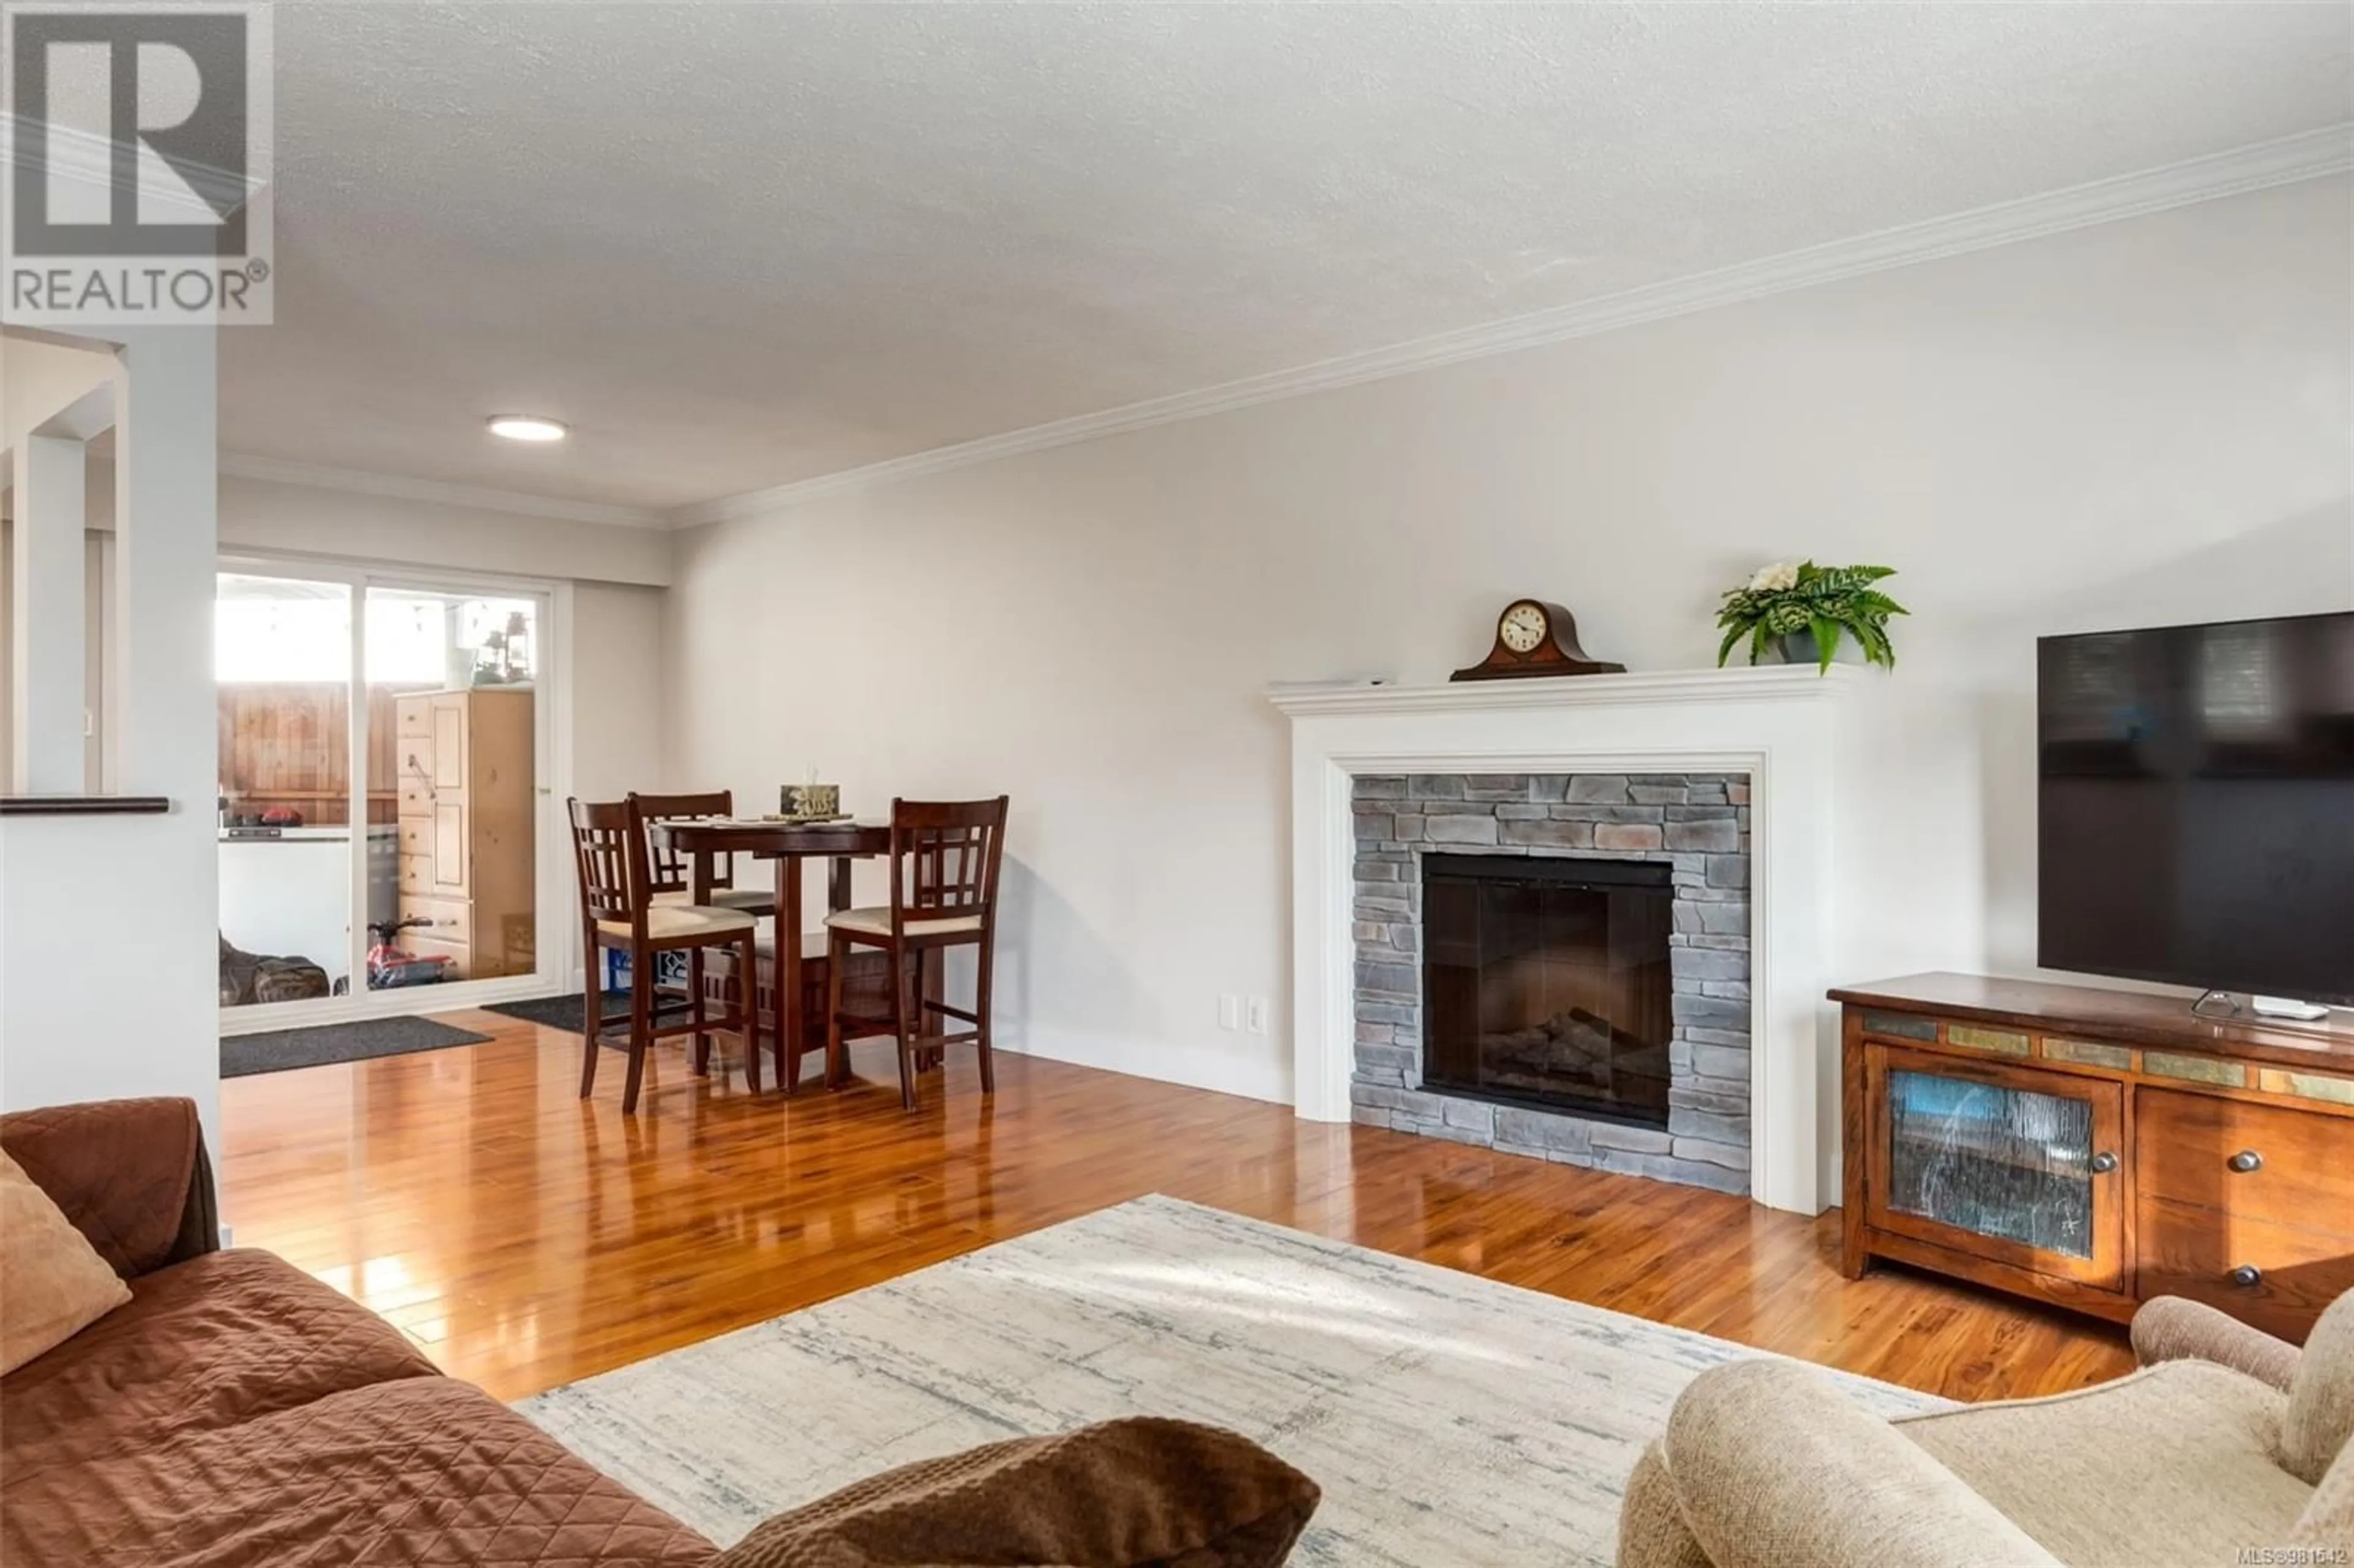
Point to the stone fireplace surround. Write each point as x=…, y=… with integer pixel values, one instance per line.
x=1782, y=728
x=1698, y=823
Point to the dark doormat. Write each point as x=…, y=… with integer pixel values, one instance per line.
x=561, y=1011
x=565, y=1012
x=241, y=1056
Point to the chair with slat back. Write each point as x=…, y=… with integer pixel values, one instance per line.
x=944, y=856
x=673, y=870
x=618, y=910
x=671, y=874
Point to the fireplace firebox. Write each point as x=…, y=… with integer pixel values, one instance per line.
x=1546, y=982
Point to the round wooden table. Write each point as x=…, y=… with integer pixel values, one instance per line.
x=788, y=845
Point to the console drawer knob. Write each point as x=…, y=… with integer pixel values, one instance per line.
x=2247, y=1160
x=2103, y=1162
x=2247, y=1277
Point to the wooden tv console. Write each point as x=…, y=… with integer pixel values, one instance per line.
x=2092, y=1148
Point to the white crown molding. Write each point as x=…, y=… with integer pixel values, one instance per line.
x=2309, y=155
x=1755, y=683
x=279, y=472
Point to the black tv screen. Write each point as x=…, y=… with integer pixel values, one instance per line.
x=2196, y=805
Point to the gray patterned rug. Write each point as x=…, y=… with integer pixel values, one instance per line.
x=1450, y=1420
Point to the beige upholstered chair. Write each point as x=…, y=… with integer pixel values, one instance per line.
x=2227, y=1447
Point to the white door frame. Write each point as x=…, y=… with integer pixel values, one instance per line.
x=552, y=729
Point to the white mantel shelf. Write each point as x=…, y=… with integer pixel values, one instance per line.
x=1783, y=726
x=1755, y=683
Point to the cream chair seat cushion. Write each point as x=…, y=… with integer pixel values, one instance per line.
x=876, y=922
x=751, y=900
x=666, y=920
x=2173, y=1464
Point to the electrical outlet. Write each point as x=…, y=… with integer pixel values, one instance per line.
x=1230, y=1011
x=1255, y=1015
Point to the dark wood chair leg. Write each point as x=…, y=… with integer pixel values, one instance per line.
x=641, y=1025
x=919, y=1017
x=899, y=1025
x=592, y=1008
x=694, y=1002
x=788, y=1061
x=981, y=1005
x=837, y=958
x=748, y=1016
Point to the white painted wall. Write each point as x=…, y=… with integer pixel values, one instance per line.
x=2143, y=422
x=107, y=981
x=617, y=690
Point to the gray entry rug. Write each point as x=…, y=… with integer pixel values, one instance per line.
x=569, y=1012
x=1450, y=1420
x=277, y=1050
x=563, y=1012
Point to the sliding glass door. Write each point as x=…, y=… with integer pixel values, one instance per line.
x=386, y=821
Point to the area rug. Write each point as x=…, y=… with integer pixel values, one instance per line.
x=278, y=1050
x=1449, y=1419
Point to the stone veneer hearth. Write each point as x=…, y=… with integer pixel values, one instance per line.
x=1697, y=822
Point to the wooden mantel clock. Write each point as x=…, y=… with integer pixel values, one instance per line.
x=1534, y=638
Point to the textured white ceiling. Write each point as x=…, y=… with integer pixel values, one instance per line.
x=738, y=245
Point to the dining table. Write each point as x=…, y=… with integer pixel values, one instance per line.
x=788, y=843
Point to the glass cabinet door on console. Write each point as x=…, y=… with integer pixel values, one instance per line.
x=2010, y=1164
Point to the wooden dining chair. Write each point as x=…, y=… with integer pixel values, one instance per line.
x=618, y=911
x=944, y=860
x=673, y=871
x=673, y=875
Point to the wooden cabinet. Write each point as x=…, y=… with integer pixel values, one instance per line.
x=2094, y=1149
x=467, y=826
x=1998, y=1160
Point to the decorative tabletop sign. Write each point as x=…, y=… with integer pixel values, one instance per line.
x=810, y=803
x=1534, y=638
x=1802, y=611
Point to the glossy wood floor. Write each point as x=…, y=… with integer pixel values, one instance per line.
x=526, y=1238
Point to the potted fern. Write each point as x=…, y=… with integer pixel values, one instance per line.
x=1803, y=610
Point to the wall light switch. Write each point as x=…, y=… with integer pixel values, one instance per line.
x=1255, y=1015
x=1230, y=1011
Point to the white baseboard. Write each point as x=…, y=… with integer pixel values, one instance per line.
x=1255, y=1067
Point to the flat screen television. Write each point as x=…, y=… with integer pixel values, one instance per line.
x=2196, y=811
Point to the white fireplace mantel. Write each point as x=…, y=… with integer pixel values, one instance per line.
x=1781, y=725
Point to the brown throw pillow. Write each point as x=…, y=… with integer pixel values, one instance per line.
x=1139, y=1493
x=53, y=1284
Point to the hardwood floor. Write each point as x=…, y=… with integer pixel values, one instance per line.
x=526, y=1238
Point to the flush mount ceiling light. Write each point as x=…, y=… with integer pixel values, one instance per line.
x=527, y=427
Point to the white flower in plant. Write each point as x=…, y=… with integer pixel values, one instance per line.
x=1774, y=578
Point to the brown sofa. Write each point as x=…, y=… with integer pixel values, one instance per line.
x=2227, y=1447
x=237, y=1412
